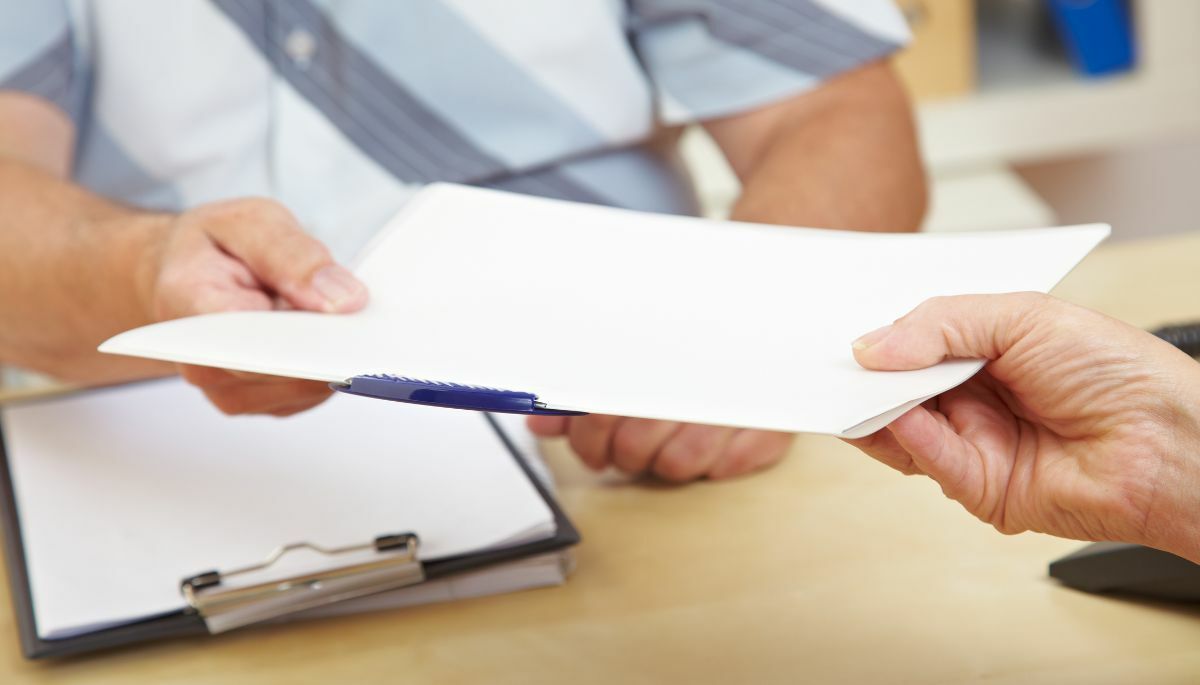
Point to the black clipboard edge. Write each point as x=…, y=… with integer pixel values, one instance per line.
x=187, y=623
x=566, y=535
x=176, y=624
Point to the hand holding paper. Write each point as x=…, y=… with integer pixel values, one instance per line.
x=672, y=451
x=488, y=289
x=1081, y=426
x=247, y=255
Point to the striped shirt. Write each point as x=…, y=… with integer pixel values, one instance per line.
x=340, y=109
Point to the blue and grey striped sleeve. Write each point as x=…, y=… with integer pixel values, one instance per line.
x=38, y=53
x=712, y=58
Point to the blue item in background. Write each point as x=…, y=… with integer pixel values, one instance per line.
x=1097, y=34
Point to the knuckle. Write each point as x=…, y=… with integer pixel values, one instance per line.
x=676, y=462
x=600, y=422
x=1025, y=306
x=934, y=304
x=200, y=376
x=556, y=429
x=631, y=464
x=672, y=471
x=930, y=308
x=306, y=251
x=629, y=442
x=680, y=452
x=742, y=457
x=262, y=209
x=206, y=300
x=1005, y=528
x=257, y=214
x=693, y=441
x=547, y=426
x=174, y=276
x=580, y=446
x=292, y=409
x=765, y=450
x=1032, y=300
x=226, y=403
x=172, y=292
x=948, y=491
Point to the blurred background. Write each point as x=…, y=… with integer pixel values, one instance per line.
x=1042, y=112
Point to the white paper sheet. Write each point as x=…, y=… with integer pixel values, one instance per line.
x=124, y=492
x=618, y=312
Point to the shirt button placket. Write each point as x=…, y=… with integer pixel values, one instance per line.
x=300, y=46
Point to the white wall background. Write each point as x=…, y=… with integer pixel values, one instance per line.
x=1143, y=191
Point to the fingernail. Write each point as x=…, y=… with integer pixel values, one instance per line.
x=872, y=338
x=337, y=286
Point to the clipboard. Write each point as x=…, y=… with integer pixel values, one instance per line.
x=211, y=607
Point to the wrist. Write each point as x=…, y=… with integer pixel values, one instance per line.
x=1175, y=526
x=135, y=259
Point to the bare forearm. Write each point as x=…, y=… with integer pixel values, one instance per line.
x=853, y=172
x=73, y=274
x=76, y=268
x=843, y=157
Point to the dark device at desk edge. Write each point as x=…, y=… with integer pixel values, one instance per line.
x=1133, y=570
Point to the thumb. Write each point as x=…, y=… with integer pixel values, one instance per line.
x=266, y=237
x=960, y=327
x=545, y=426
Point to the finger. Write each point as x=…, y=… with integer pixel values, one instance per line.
x=234, y=402
x=942, y=454
x=749, y=451
x=590, y=436
x=199, y=286
x=206, y=376
x=980, y=413
x=284, y=412
x=267, y=238
x=256, y=398
x=205, y=299
x=212, y=377
x=636, y=441
x=691, y=452
x=547, y=426
x=963, y=327
x=882, y=446
x=250, y=377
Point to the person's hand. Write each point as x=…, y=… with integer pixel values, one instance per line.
x=239, y=255
x=1079, y=426
x=677, y=452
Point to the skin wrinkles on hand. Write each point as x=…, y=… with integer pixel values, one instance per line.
x=1073, y=428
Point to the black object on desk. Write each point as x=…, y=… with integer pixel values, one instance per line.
x=1132, y=569
x=1184, y=336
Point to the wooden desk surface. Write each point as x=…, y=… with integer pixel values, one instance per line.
x=828, y=568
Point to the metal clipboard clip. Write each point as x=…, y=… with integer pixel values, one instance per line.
x=242, y=596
